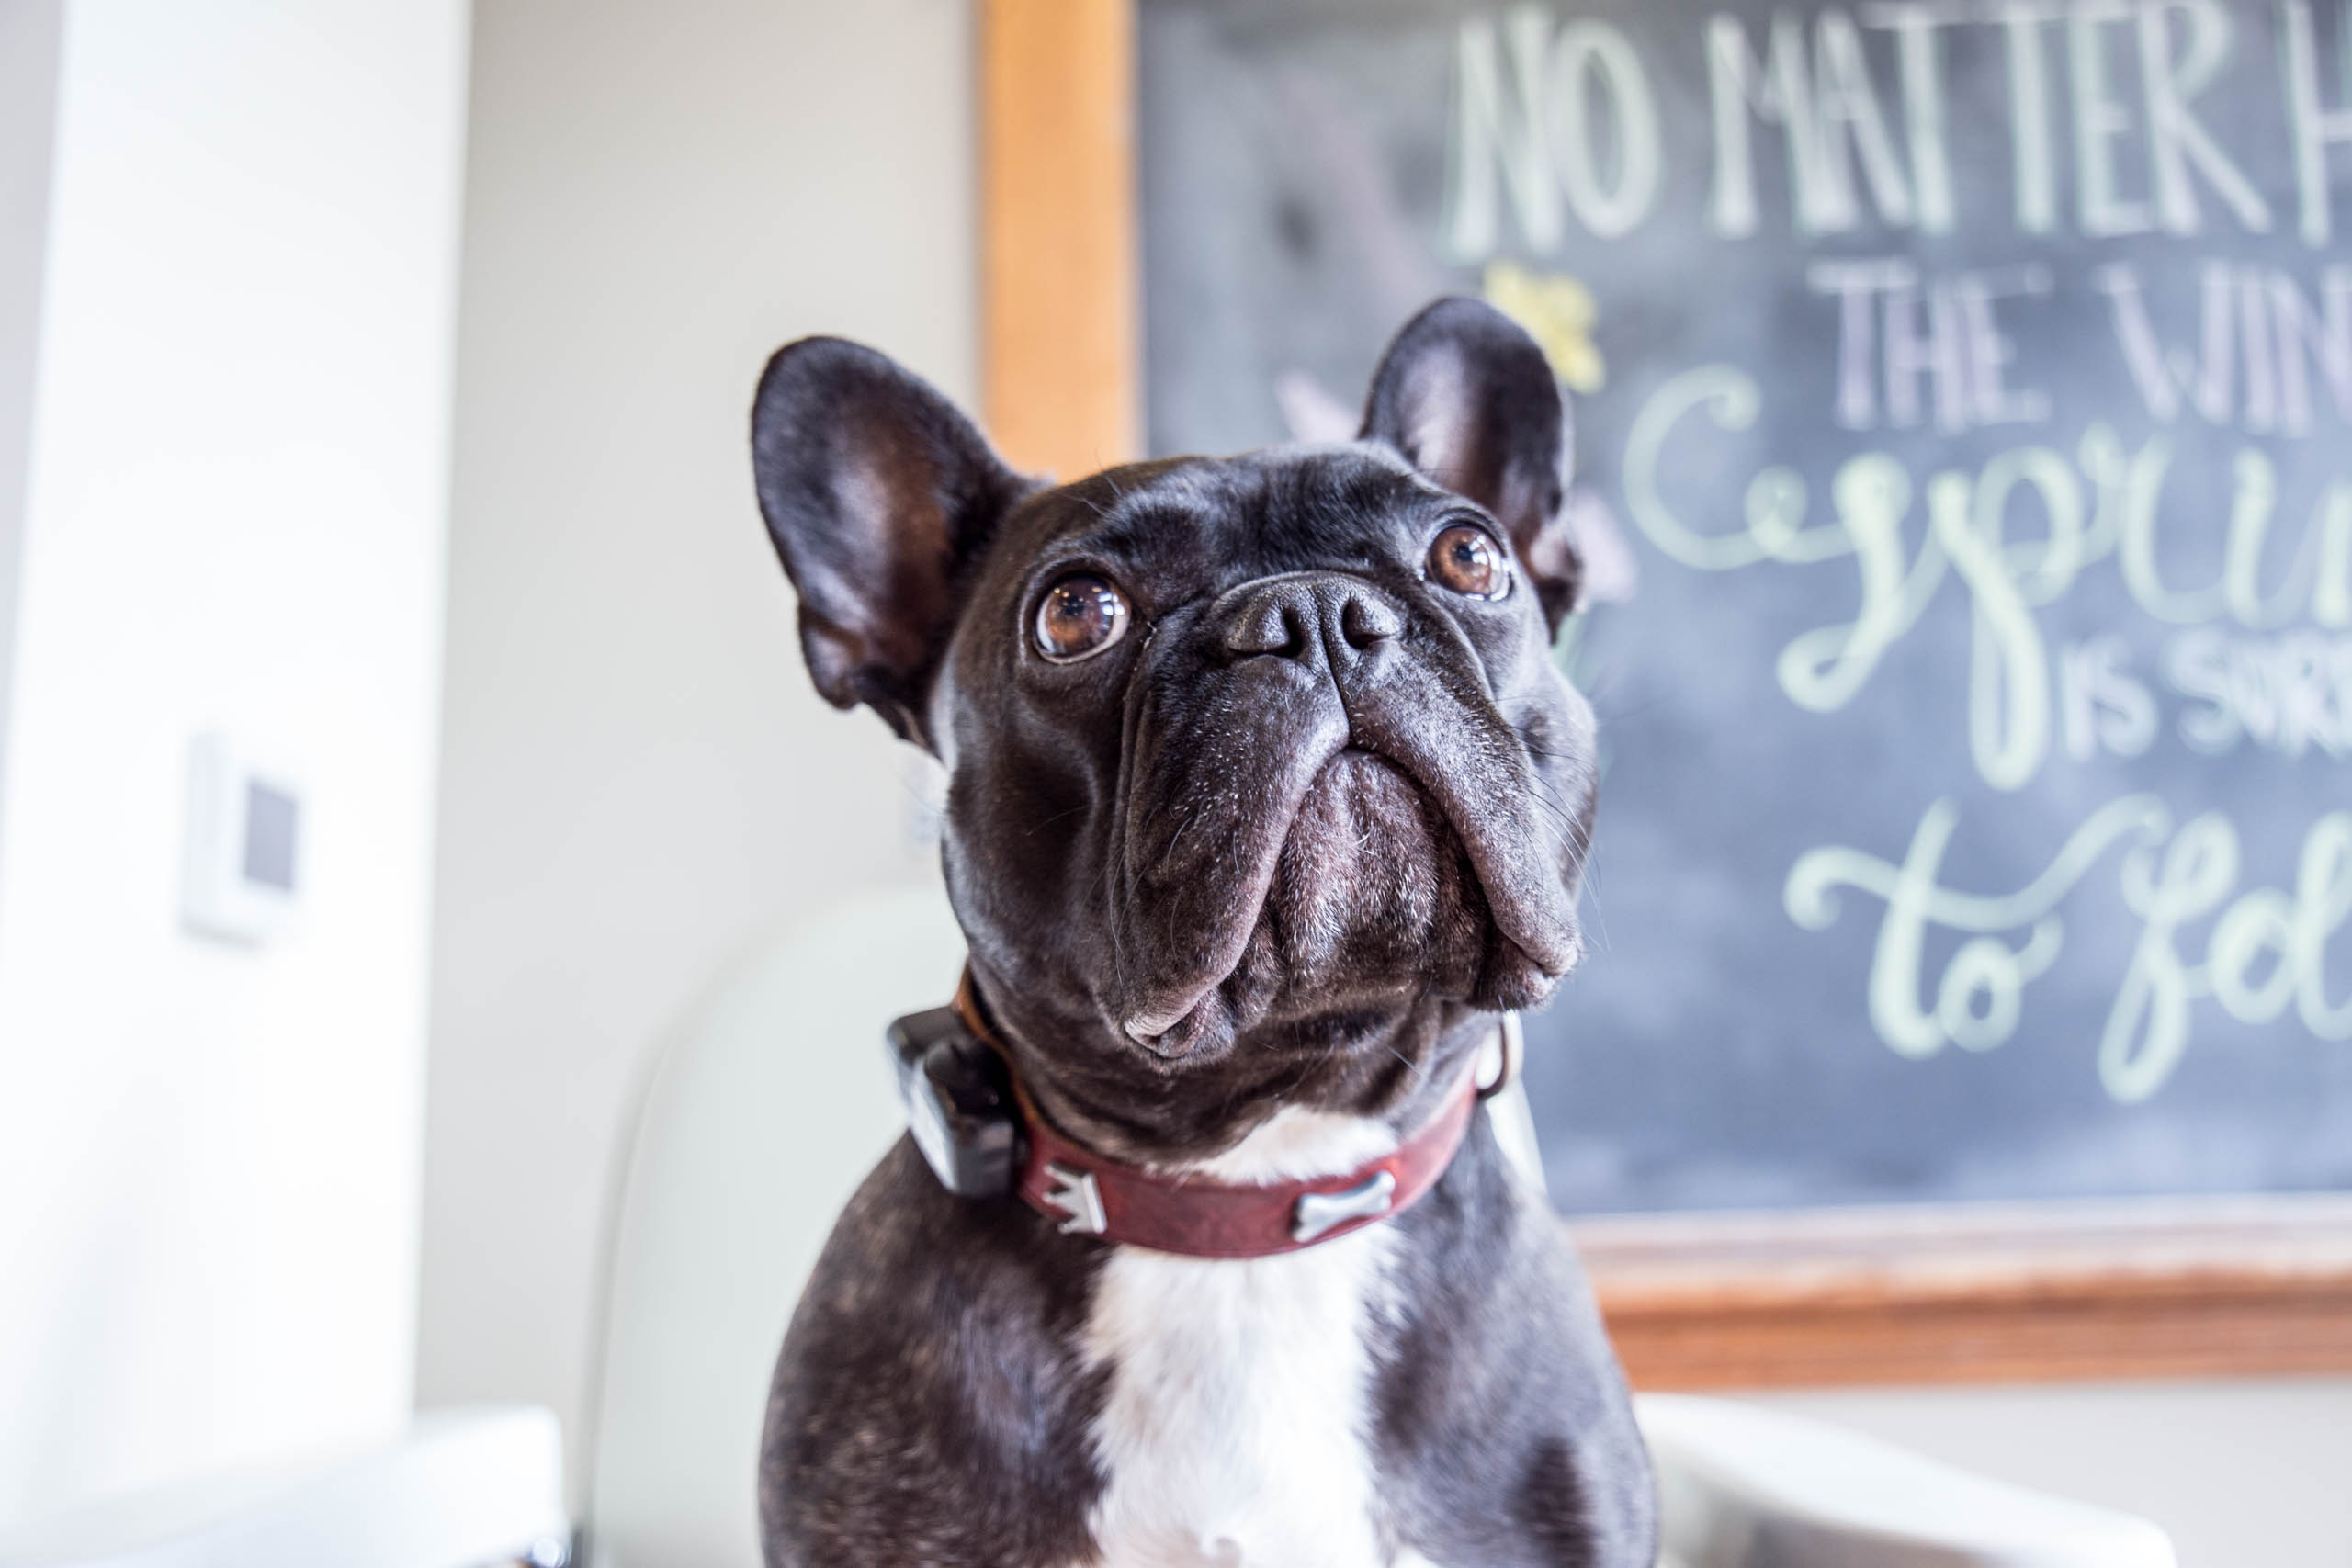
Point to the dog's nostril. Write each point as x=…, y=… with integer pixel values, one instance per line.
x=1269, y=623
x=1365, y=621
x=1310, y=618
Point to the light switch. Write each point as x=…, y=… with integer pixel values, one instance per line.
x=241, y=874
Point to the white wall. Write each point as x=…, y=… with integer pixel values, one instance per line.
x=28, y=40
x=209, y=1155
x=636, y=777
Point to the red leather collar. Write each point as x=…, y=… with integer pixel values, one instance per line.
x=1087, y=1194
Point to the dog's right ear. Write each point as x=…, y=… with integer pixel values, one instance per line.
x=1466, y=397
x=879, y=497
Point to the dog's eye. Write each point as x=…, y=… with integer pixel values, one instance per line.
x=1466, y=558
x=1081, y=615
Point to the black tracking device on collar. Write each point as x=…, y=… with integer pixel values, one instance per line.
x=959, y=1103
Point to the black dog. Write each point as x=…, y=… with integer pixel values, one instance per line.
x=1266, y=797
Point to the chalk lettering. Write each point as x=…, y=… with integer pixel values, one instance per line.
x=2163, y=377
x=1944, y=332
x=2176, y=139
x=2033, y=159
x=1499, y=130
x=2105, y=707
x=2289, y=694
x=2311, y=126
x=2147, y=1030
x=2312, y=334
x=2099, y=120
x=1915, y=24
x=1591, y=53
x=1991, y=351
x=1914, y=902
x=2267, y=949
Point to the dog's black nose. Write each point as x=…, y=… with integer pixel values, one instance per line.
x=1300, y=614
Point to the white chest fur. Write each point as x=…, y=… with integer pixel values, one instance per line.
x=1235, y=1428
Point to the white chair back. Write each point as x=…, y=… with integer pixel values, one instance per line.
x=763, y=1114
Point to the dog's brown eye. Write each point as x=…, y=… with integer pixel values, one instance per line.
x=1082, y=615
x=1466, y=559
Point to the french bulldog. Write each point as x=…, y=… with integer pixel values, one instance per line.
x=1265, y=798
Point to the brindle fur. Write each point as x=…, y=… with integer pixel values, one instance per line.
x=1291, y=843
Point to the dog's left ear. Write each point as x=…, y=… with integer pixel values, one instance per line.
x=1469, y=399
x=879, y=497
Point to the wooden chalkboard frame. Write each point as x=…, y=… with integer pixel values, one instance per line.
x=1933, y=1293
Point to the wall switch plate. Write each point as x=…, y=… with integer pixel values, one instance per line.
x=242, y=873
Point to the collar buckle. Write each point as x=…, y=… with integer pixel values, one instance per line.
x=1316, y=1214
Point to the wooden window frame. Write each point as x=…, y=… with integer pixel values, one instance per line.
x=1933, y=1293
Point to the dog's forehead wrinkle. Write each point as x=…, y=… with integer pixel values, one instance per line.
x=1283, y=507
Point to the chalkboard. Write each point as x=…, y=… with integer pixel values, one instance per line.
x=1963, y=406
